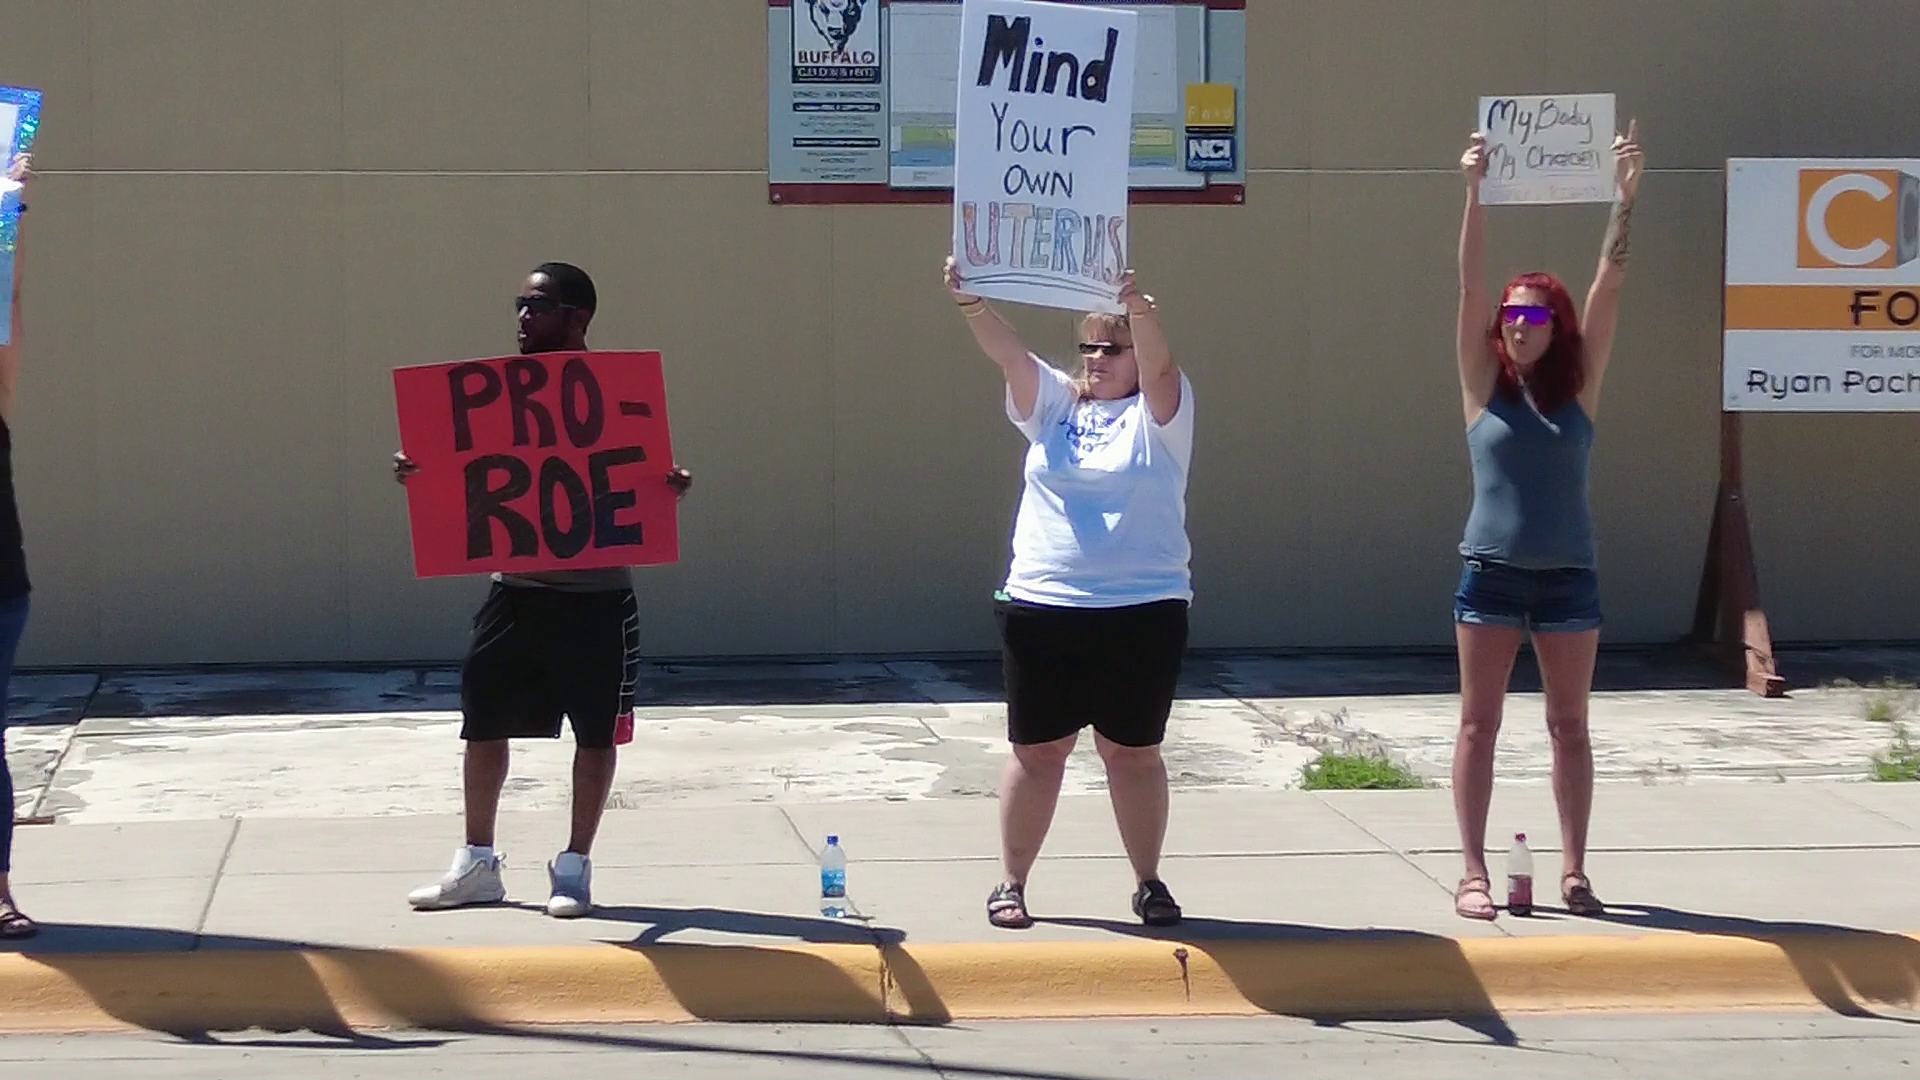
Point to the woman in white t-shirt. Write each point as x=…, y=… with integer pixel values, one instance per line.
x=1093, y=615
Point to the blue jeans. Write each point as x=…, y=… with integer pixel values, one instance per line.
x=1564, y=601
x=13, y=622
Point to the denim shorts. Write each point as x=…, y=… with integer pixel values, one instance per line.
x=1564, y=601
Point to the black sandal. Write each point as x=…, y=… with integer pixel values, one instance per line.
x=1154, y=904
x=1007, y=907
x=14, y=924
x=1577, y=892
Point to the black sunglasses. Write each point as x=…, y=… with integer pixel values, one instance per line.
x=539, y=305
x=1102, y=348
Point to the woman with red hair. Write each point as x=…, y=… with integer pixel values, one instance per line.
x=1530, y=376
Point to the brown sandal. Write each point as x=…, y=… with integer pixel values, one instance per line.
x=1007, y=907
x=1474, y=886
x=1579, y=896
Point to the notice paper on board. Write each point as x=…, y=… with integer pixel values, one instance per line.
x=1043, y=134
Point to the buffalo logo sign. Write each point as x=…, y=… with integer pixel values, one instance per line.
x=837, y=44
x=836, y=20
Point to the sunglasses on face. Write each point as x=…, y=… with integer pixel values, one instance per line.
x=1531, y=314
x=1102, y=348
x=539, y=305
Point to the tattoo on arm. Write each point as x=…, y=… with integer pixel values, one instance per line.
x=1619, y=234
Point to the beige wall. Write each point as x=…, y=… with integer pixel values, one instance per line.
x=254, y=209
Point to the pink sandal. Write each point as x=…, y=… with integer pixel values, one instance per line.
x=1474, y=886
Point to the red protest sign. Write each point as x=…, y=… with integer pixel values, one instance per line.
x=556, y=461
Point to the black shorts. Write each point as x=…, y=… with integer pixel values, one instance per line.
x=1114, y=668
x=539, y=654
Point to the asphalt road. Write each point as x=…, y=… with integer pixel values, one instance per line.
x=1535, y=1048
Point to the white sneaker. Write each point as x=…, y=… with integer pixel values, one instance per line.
x=474, y=878
x=572, y=877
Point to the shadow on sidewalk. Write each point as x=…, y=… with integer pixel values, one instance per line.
x=664, y=921
x=1339, y=970
x=1842, y=966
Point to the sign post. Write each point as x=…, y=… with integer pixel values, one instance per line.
x=556, y=461
x=1820, y=313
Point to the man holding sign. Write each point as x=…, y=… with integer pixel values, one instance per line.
x=547, y=643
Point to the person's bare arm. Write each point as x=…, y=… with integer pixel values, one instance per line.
x=998, y=339
x=1479, y=367
x=1603, y=299
x=1159, y=372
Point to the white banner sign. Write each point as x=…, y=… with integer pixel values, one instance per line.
x=1043, y=136
x=1546, y=149
x=9, y=208
x=1822, y=306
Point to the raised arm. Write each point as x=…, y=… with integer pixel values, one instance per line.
x=1159, y=374
x=1603, y=300
x=1479, y=367
x=21, y=171
x=999, y=341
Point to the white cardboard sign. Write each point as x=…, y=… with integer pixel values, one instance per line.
x=1544, y=149
x=1043, y=136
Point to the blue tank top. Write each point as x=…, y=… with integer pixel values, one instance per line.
x=1530, y=486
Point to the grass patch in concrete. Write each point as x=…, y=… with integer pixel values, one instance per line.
x=1889, y=701
x=1901, y=761
x=1357, y=772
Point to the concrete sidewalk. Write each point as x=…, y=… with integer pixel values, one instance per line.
x=143, y=746
x=233, y=849
x=1775, y=896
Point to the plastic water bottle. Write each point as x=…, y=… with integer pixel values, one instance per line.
x=1520, y=877
x=833, y=880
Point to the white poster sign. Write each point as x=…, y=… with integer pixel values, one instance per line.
x=9, y=218
x=1822, y=310
x=1547, y=149
x=1043, y=136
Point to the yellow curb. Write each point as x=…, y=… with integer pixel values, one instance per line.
x=1393, y=976
x=338, y=989
x=1389, y=976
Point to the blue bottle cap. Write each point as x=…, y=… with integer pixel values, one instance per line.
x=832, y=840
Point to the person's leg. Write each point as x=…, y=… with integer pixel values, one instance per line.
x=593, y=772
x=597, y=643
x=1567, y=643
x=1042, y=674
x=498, y=684
x=1142, y=649
x=1566, y=669
x=1489, y=616
x=593, y=640
x=14, y=924
x=1029, y=792
x=500, y=693
x=483, y=776
x=6, y=819
x=1137, y=787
